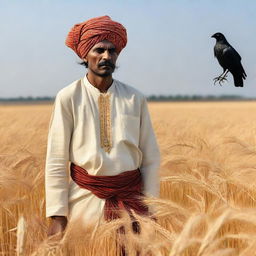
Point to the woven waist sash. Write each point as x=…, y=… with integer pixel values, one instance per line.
x=121, y=192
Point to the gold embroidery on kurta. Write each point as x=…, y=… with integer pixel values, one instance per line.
x=105, y=122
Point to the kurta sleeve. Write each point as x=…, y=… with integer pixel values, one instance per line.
x=57, y=158
x=150, y=154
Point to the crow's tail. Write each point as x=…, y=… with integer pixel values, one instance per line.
x=239, y=75
x=243, y=73
x=238, y=80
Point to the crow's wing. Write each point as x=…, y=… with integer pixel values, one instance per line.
x=231, y=59
x=230, y=53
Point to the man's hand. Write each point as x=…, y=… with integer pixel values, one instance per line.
x=57, y=226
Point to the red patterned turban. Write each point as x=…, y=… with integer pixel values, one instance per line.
x=83, y=36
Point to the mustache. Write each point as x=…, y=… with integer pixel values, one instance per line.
x=107, y=63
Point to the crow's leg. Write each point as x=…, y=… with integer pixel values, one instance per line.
x=221, y=78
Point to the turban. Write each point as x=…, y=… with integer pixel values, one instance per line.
x=83, y=36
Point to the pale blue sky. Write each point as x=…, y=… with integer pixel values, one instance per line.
x=169, y=49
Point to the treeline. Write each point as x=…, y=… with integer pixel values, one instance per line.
x=25, y=99
x=150, y=98
x=197, y=98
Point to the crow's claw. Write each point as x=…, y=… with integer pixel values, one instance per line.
x=220, y=79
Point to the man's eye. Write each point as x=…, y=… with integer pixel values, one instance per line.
x=99, y=50
x=112, y=50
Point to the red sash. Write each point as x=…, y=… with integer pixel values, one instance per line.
x=121, y=192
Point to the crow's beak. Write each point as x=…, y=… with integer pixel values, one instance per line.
x=213, y=36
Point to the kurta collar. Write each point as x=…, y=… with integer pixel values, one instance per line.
x=92, y=88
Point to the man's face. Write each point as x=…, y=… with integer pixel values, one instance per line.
x=102, y=58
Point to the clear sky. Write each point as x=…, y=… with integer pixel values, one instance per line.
x=169, y=51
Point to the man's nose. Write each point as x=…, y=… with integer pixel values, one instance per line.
x=106, y=55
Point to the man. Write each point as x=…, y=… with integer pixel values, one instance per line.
x=102, y=128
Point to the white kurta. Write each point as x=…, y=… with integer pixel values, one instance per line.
x=75, y=136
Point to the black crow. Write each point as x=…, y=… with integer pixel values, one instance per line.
x=229, y=59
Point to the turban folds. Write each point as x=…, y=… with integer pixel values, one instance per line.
x=83, y=36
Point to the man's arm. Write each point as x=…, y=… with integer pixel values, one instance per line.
x=56, y=168
x=151, y=156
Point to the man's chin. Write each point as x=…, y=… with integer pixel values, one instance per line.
x=105, y=74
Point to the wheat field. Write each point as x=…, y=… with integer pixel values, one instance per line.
x=208, y=178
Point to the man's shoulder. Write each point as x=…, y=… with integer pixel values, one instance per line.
x=128, y=90
x=70, y=90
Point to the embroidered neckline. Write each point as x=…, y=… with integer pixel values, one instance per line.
x=105, y=122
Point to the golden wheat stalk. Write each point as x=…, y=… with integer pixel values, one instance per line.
x=21, y=229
